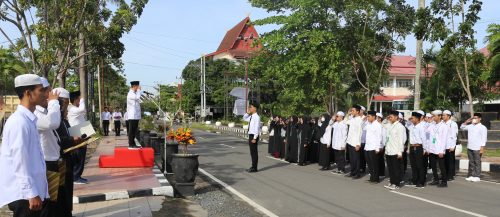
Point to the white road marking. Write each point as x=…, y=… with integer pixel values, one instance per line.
x=278, y=159
x=226, y=145
x=240, y=195
x=440, y=204
x=201, y=137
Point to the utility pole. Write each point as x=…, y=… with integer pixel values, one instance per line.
x=179, y=89
x=99, y=66
x=416, y=106
x=202, y=88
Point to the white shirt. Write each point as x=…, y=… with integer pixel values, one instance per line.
x=451, y=142
x=476, y=135
x=76, y=115
x=253, y=124
x=427, y=141
x=21, y=159
x=438, y=135
x=105, y=116
x=134, y=105
x=373, y=136
x=327, y=136
x=125, y=116
x=384, y=134
x=339, y=135
x=417, y=134
x=48, y=121
x=395, y=144
x=117, y=116
x=363, y=132
x=355, y=131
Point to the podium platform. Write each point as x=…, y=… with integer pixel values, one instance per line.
x=124, y=157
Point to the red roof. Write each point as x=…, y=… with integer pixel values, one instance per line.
x=379, y=98
x=405, y=65
x=232, y=43
x=484, y=51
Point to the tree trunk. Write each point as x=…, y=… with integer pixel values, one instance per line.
x=82, y=70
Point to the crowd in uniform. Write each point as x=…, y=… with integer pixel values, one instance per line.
x=371, y=143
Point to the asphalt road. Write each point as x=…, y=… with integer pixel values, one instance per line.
x=289, y=190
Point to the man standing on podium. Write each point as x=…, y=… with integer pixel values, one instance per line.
x=133, y=113
x=253, y=120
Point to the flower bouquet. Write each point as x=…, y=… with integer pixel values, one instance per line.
x=184, y=137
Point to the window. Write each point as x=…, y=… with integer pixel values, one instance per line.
x=400, y=105
x=387, y=83
x=404, y=83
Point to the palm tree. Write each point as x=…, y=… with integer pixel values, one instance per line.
x=493, y=39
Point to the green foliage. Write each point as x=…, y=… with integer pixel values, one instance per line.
x=10, y=67
x=493, y=39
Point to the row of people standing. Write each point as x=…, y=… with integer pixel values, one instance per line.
x=116, y=117
x=37, y=175
x=364, y=138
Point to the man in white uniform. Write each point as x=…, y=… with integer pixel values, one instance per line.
x=23, y=183
x=105, y=116
x=394, y=147
x=253, y=120
x=372, y=147
x=76, y=115
x=451, y=142
x=438, y=135
x=354, y=141
x=133, y=113
x=477, y=136
x=339, y=141
x=117, y=117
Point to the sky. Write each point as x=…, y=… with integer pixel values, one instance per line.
x=170, y=33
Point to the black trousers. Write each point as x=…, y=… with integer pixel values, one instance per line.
x=418, y=171
x=66, y=204
x=253, y=150
x=404, y=164
x=324, y=156
x=394, y=166
x=381, y=162
x=105, y=127
x=132, y=131
x=340, y=159
x=21, y=208
x=117, y=127
x=362, y=158
x=450, y=163
x=126, y=126
x=354, y=158
x=435, y=160
x=373, y=163
x=79, y=157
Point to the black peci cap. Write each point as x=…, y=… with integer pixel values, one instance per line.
x=374, y=113
x=73, y=95
x=134, y=83
x=254, y=104
x=395, y=113
x=357, y=107
x=477, y=114
x=416, y=114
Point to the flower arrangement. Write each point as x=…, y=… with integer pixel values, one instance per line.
x=170, y=135
x=184, y=137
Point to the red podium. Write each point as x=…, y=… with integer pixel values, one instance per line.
x=125, y=157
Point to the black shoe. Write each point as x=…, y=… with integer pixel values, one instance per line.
x=349, y=175
x=443, y=185
x=434, y=183
x=252, y=170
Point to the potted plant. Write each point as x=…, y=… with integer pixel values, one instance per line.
x=171, y=147
x=145, y=127
x=185, y=164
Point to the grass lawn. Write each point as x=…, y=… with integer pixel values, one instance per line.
x=487, y=152
x=201, y=126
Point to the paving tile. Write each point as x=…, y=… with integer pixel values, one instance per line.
x=139, y=207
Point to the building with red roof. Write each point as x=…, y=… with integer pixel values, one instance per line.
x=238, y=43
x=396, y=91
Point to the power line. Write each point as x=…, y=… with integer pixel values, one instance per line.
x=175, y=37
x=156, y=45
x=155, y=48
x=153, y=66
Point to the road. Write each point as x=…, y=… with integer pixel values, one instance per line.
x=289, y=190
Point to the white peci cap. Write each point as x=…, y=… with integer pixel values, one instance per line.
x=421, y=112
x=363, y=108
x=379, y=115
x=63, y=93
x=429, y=115
x=340, y=113
x=447, y=112
x=437, y=112
x=45, y=82
x=400, y=115
x=27, y=80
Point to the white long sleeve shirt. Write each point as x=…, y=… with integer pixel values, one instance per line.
x=477, y=135
x=105, y=116
x=253, y=124
x=438, y=135
x=339, y=135
x=417, y=134
x=384, y=135
x=355, y=131
x=327, y=136
x=134, y=105
x=394, y=144
x=363, y=132
x=125, y=116
x=373, y=136
x=76, y=115
x=48, y=121
x=451, y=142
x=117, y=116
x=22, y=165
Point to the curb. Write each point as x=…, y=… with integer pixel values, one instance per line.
x=164, y=190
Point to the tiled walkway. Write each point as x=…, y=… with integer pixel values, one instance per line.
x=134, y=207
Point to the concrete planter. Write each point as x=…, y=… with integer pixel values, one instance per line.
x=218, y=123
x=185, y=168
x=231, y=125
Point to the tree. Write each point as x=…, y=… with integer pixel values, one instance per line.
x=493, y=40
x=373, y=31
x=456, y=46
x=10, y=67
